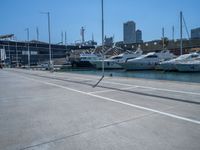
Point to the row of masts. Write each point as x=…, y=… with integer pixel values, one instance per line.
x=63, y=41
x=181, y=33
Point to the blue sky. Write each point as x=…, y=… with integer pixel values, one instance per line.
x=69, y=15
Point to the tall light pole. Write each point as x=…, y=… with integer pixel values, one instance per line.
x=65, y=38
x=9, y=54
x=37, y=32
x=103, y=53
x=49, y=31
x=17, y=61
x=27, y=30
x=102, y=23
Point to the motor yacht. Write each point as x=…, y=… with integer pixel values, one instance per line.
x=86, y=59
x=189, y=65
x=113, y=62
x=148, y=61
x=170, y=65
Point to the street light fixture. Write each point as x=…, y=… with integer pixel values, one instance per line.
x=27, y=30
x=51, y=67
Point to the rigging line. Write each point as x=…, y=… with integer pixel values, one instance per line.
x=186, y=27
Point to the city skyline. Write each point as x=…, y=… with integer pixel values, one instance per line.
x=70, y=16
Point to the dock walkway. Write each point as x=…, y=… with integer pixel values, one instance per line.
x=40, y=110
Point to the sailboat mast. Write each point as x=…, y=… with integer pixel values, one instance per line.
x=181, y=33
x=163, y=38
x=173, y=33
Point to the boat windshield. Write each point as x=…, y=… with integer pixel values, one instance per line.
x=117, y=57
x=187, y=56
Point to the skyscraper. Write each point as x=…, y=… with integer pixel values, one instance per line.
x=138, y=36
x=129, y=32
x=195, y=33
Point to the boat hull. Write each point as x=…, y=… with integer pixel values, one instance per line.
x=167, y=67
x=139, y=66
x=188, y=67
x=107, y=65
x=82, y=64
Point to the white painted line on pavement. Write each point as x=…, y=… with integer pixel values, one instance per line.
x=104, y=91
x=119, y=102
x=145, y=87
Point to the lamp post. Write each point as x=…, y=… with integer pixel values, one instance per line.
x=9, y=54
x=27, y=30
x=102, y=23
x=103, y=53
x=49, y=32
x=17, y=61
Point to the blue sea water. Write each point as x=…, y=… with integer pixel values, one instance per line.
x=157, y=75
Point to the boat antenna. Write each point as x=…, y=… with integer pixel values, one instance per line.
x=103, y=54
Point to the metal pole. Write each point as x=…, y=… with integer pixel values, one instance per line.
x=9, y=53
x=37, y=32
x=50, y=55
x=65, y=38
x=181, y=33
x=62, y=38
x=16, y=54
x=103, y=54
x=173, y=33
x=27, y=29
x=163, y=36
x=102, y=11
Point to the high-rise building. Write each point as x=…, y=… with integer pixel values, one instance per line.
x=129, y=32
x=195, y=33
x=108, y=41
x=138, y=36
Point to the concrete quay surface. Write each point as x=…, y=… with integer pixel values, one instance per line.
x=40, y=110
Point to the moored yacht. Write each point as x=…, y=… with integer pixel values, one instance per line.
x=86, y=59
x=113, y=62
x=189, y=66
x=148, y=61
x=170, y=65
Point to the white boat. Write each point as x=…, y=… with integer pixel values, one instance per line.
x=86, y=59
x=170, y=65
x=148, y=61
x=113, y=62
x=189, y=66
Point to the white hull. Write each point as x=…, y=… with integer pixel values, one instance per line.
x=167, y=66
x=107, y=65
x=139, y=65
x=188, y=67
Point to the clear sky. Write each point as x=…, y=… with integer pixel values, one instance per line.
x=69, y=15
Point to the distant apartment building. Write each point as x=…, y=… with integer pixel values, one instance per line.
x=139, y=36
x=129, y=32
x=195, y=33
x=108, y=41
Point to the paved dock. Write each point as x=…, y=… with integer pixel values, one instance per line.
x=40, y=110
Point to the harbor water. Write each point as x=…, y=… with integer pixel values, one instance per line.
x=152, y=74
